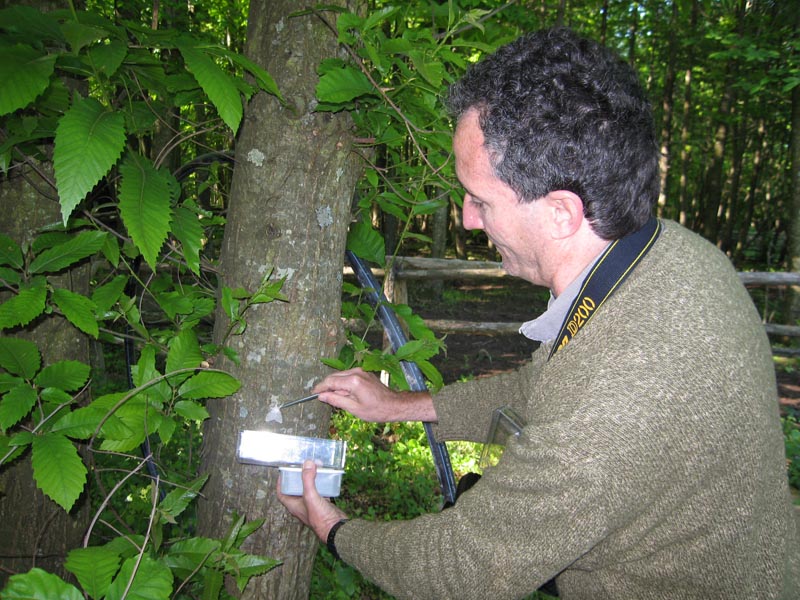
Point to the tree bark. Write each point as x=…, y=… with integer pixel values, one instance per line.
x=48, y=532
x=292, y=186
x=794, y=231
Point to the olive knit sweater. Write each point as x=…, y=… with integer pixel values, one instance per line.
x=652, y=465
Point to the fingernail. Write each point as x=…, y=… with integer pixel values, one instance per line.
x=308, y=464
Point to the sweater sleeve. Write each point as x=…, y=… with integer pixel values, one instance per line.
x=464, y=410
x=520, y=525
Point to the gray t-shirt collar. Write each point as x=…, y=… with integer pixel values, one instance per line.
x=545, y=327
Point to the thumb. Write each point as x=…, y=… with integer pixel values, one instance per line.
x=309, y=475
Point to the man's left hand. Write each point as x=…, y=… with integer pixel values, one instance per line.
x=318, y=513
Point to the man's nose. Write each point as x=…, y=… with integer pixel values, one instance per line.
x=470, y=215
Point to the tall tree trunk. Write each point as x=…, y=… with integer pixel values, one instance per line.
x=713, y=182
x=48, y=532
x=685, y=203
x=667, y=109
x=290, y=200
x=794, y=231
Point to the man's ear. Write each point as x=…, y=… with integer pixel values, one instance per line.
x=566, y=210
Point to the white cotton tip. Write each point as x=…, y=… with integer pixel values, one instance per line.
x=275, y=415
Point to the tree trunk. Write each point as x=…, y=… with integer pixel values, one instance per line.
x=667, y=110
x=686, y=208
x=794, y=231
x=293, y=182
x=48, y=532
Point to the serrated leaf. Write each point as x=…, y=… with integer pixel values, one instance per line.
x=68, y=375
x=178, y=499
x=110, y=250
x=264, y=79
x=94, y=567
x=208, y=384
x=10, y=252
x=185, y=556
x=8, y=381
x=10, y=276
x=106, y=295
x=74, y=250
x=38, y=584
x=184, y=352
x=152, y=580
x=82, y=424
x=58, y=469
x=249, y=565
x=89, y=140
x=16, y=404
x=145, y=196
x=367, y=243
x=29, y=69
x=20, y=357
x=107, y=58
x=187, y=229
x=26, y=23
x=23, y=308
x=79, y=35
x=343, y=84
x=191, y=410
x=78, y=310
x=218, y=85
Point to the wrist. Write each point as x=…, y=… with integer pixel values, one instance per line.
x=330, y=540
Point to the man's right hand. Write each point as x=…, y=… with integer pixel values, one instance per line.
x=363, y=395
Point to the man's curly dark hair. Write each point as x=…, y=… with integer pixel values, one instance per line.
x=561, y=112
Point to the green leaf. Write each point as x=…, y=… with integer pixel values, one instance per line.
x=178, y=499
x=191, y=410
x=207, y=384
x=249, y=565
x=16, y=404
x=59, y=257
x=67, y=375
x=38, y=584
x=217, y=84
x=184, y=352
x=106, y=295
x=94, y=567
x=83, y=422
x=110, y=250
x=185, y=556
x=20, y=357
x=264, y=79
x=78, y=310
x=365, y=242
x=10, y=252
x=58, y=469
x=23, y=308
x=89, y=140
x=107, y=58
x=187, y=229
x=8, y=381
x=343, y=84
x=145, y=196
x=29, y=69
x=25, y=23
x=79, y=35
x=10, y=276
x=152, y=580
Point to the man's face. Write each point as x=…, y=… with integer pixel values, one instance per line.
x=491, y=205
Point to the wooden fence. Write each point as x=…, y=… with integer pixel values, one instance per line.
x=406, y=269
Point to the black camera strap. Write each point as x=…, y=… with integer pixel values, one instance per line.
x=610, y=270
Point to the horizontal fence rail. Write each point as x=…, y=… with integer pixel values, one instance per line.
x=406, y=268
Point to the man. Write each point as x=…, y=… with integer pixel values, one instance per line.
x=652, y=465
